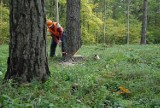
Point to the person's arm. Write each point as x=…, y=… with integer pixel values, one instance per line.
x=60, y=30
x=52, y=35
x=55, y=38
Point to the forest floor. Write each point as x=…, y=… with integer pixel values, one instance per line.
x=123, y=76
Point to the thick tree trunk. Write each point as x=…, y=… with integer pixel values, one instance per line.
x=27, y=59
x=73, y=32
x=144, y=23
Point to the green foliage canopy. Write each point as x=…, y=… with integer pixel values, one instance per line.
x=92, y=20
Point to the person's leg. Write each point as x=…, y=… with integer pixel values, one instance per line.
x=53, y=48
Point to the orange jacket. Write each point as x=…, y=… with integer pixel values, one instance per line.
x=56, y=32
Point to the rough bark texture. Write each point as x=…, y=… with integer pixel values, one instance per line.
x=73, y=31
x=27, y=59
x=144, y=23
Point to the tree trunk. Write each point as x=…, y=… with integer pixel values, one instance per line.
x=73, y=31
x=27, y=59
x=128, y=9
x=114, y=12
x=57, y=11
x=144, y=23
x=104, y=28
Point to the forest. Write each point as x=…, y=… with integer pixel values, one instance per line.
x=112, y=54
x=93, y=16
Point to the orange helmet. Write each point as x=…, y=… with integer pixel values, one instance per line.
x=49, y=23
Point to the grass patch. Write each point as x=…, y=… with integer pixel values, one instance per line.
x=92, y=83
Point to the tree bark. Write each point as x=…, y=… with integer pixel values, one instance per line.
x=27, y=59
x=73, y=31
x=104, y=28
x=144, y=23
x=57, y=11
x=128, y=13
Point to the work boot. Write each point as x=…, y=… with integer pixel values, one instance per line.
x=64, y=54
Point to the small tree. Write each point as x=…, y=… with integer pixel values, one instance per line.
x=128, y=9
x=57, y=11
x=73, y=31
x=27, y=49
x=144, y=22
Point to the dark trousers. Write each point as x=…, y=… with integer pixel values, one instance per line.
x=54, y=45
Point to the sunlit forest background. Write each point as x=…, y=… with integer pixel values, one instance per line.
x=101, y=21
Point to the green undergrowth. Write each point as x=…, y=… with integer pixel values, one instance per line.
x=91, y=83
